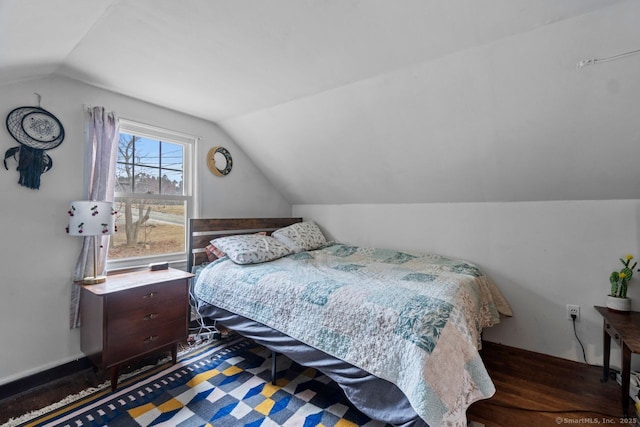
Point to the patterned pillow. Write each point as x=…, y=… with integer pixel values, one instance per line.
x=214, y=253
x=251, y=248
x=301, y=236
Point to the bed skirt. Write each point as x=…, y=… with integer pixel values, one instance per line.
x=377, y=398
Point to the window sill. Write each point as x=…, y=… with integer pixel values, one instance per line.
x=178, y=261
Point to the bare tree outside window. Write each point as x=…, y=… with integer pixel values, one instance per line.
x=150, y=198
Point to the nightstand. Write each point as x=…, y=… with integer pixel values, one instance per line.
x=132, y=315
x=624, y=328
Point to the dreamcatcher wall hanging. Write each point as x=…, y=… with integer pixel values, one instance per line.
x=36, y=130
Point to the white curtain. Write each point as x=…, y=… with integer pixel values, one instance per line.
x=102, y=153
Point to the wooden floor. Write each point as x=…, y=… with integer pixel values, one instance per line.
x=532, y=390
x=26, y=401
x=538, y=390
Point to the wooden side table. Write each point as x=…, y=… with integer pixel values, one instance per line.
x=132, y=315
x=624, y=328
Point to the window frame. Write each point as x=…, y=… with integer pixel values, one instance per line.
x=189, y=144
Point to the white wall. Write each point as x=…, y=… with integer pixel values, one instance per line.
x=542, y=256
x=509, y=120
x=38, y=256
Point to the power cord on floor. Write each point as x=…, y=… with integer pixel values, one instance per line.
x=203, y=331
x=562, y=411
x=584, y=355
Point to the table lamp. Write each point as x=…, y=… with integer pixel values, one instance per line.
x=90, y=218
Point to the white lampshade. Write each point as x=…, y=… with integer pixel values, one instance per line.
x=87, y=218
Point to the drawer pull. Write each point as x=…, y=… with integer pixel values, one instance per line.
x=151, y=316
x=151, y=295
x=151, y=338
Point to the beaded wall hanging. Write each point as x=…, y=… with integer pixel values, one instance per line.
x=36, y=130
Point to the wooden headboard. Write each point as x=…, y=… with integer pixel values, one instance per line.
x=203, y=230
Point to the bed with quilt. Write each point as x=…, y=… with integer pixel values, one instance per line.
x=399, y=331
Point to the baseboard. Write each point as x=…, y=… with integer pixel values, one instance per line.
x=52, y=374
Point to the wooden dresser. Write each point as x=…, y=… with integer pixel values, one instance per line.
x=132, y=315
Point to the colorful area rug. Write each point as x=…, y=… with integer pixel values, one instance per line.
x=224, y=384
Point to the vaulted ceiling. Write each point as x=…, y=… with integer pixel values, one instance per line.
x=370, y=101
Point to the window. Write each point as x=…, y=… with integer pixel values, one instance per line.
x=153, y=195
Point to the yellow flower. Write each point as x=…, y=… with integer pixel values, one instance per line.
x=629, y=257
x=622, y=275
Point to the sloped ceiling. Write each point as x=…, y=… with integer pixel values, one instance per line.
x=370, y=101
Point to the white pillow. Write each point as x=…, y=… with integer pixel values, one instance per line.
x=301, y=236
x=251, y=248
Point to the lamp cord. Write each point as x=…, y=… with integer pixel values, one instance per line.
x=95, y=257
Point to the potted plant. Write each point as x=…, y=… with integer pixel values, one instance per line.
x=617, y=299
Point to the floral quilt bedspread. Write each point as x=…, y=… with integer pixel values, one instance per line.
x=411, y=318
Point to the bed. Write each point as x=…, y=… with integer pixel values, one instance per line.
x=399, y=331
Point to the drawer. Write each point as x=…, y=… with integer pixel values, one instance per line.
x=156, y=295
x=615, y=336
x=141, y=319
x=137, y=343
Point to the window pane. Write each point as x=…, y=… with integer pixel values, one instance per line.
x=147, y=152
x=148, y=227
x=171, y=169
x=125, y=165
x=171, y=182
x=145, y=180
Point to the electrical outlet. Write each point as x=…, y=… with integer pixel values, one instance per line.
x=573, y=310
